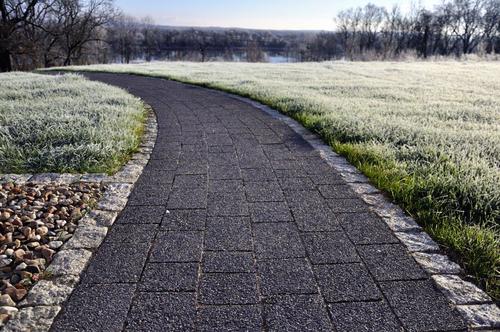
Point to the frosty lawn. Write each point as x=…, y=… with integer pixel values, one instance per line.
x=65, y=124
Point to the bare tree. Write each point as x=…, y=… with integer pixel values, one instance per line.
x=372, y=17
x=465, y=22
x=491, y=25
x=80, y=24
x=348, y=23
x=16, y=16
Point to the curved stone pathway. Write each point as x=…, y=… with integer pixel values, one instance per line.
x=237, y=224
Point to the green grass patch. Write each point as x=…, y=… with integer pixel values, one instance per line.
x=428, y=133
x=66, y=123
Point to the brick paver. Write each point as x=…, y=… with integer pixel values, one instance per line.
x=237, y=224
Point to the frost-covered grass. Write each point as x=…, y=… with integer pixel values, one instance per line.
x=65, y=123
x=427, y=133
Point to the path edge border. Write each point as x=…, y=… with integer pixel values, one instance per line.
x=44, y=301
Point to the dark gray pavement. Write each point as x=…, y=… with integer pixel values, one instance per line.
x=237, y=224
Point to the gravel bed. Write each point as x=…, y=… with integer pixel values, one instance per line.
x=35, y=221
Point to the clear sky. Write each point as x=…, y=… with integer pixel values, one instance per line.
x=260, y=14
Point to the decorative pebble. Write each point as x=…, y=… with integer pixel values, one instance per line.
x=21, y=267
x=5, y=300
x=35, y=220
x=8, y=310
x=55, y=244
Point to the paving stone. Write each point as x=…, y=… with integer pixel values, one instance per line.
x=225, y=186
x=269, y=139
x=190, y=181
x=227, y=204
x=162, y=312
x=229, y=318
x=268, y=191
x=401, y=223
x=117, y=262
x=421, y=307
x=149, y=195
x=228, y=288
x=129, y=233
x=346, y=282
x=277, y=152
x=316, y=165
x=162, y=165
x=224, y=172
x=228, y=233
x=364, y=316
x=188, y=199
x=296, y=313
x=184, y=219
x=252, y=160
x=315, y=219
x=436, y=263
x=169, y=277
x=192, y=167
x=50, y=292
x=354, y=178
x=277, y=240
x=80, y=314
x=228, y=262
x=366, y=228
x=223, y=158
x=115, y=197
x=177, y=247
x=327, y=178
x=390, y=262
x=258, y=175
x=459, y=291
x=141, y=215
x=286, y=164
x=69, y=262
x=337, y=191
x=87, y=237
x=99, y=218
x=37, y=318
x=305, y=199
x=220, y=148
x=219, y=139
x=286, y=276
x=290, y=173
x=296, y=183
x=270, y=212
x=347, y=205
x=330, y=248
x=481, y=316
x=420, y=242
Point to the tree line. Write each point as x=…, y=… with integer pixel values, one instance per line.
x=454, y=28
x=43, y=33
x=131, y=39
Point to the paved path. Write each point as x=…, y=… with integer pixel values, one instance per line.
x=237, y=224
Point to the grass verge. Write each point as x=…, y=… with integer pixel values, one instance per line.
x=66, y=123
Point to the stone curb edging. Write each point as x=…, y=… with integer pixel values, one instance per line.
x=43, y=302
x=476, y=307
